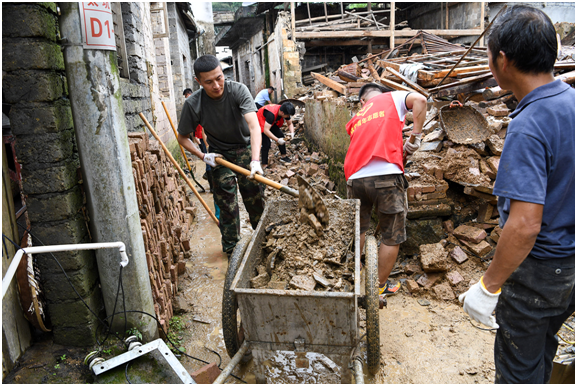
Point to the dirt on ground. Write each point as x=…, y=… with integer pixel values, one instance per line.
x=297, y=257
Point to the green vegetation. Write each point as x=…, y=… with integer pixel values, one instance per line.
x=175, y=325
x=134, y=331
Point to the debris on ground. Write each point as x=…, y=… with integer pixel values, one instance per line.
x=296, y=257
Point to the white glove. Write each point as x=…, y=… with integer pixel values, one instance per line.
x=480, y=304
x=281, y=141
x=209, y=158
x=292, y=135
x=410, y=148
x=255, y=168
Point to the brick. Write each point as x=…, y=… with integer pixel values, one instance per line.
x=493, y=163
x=458, y=255
x=31, y=119
x=26, y=20
x=289, y=174
x=433, y=258
x=495, y=144
x=54, y=207
x=206, y=374
x=500, y=110
x=412, y=268
x=412, y=286
x=444, y=292
x=480, y=249
x=480, y=148
x=39, y=179
x=431, y=146
x=496, y=234
x=471, y=234
x=26, y=54
x=485, y=169
x=429, y=279
x=32, y=86
x=312, y=169
x=454, y=277
x=302, y=282
x=72, y=314
x=487, y=197
x=47, y=148
x=485, y=212
x=448, y=226
x=436, y=135
x=262, y=280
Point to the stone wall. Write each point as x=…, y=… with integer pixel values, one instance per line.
x=251, y=64
x=286, y=51
x=180, y=56
x=136, y=92
x=34, y=84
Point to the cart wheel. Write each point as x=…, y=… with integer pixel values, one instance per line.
x=233, y=337
x=372, y=303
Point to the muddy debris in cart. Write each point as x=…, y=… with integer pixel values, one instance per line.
x=296, y=257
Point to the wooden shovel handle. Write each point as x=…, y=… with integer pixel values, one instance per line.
x=257, y=177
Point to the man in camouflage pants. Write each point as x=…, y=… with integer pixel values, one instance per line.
x=227, y=113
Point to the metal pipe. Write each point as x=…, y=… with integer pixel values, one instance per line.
x=358, y=370
x=59, y=248
x=232, y=364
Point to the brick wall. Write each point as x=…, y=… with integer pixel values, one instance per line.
x=34, y=85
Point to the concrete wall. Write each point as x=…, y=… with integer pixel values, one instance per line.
x=202, y=12
x=34, y=85
x=284, y=60
x=557, y=11
x=325, y=123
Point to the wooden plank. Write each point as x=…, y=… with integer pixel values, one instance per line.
x=494, y=93
x=374, y=73
x=347, y=76
x=442, y=73
x=415, y=86
x=395, y=85
x=568, y=77
x=330, y=83
x=467, y=88
x=472, y=79
x=451, y=33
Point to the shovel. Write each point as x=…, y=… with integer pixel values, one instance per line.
x=312, y=207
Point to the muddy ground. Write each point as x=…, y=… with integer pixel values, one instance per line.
x=423, y=339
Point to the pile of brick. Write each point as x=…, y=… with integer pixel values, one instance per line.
x=166, y=214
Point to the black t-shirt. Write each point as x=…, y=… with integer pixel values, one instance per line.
x=270, y=118
x=223, y=120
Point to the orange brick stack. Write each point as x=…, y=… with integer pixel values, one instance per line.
x=166, y=215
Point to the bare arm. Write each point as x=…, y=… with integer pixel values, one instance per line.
x=186, y=143
x=418, y=104
x=268, y=133
x=517, y=240
x=290, y=126
x=255, y=135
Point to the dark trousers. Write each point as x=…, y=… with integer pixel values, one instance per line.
x=225, y=195
x=257, y=106
x=535, y=301
x=266, y=144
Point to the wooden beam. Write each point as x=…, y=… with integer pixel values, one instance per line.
x=413, y=85
x=568, y=77
x=385, y=33
x=304, y=21
x=330, y=83
x=392, y=25
x=309, y=12
x=472, y=79
x=467, y=88
x=395, y=85
x=293, y=21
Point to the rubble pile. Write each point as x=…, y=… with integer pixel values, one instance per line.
x=295, y=257
x=166, y=214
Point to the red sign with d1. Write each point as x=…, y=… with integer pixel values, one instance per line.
x=97, y=26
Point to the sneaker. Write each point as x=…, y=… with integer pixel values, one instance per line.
x=286, y=160
x=389, y=288
x=204, y=176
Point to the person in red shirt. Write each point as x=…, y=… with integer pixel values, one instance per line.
x=271, y=118
x=374, y=167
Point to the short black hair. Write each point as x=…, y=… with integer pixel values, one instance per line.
x=187, y=91
x=271, y=88
x=528, y=38
x=373, y=87
x=205, y=63
x=288, y=108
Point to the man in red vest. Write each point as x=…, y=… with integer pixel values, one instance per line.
x=374, y=167
x=271, y=118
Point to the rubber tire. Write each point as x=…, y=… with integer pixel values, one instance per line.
x=230, y=329
x=372, y=303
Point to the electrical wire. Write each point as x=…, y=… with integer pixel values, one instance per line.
x=126, y=373
x=481, y=328
x=103, y=321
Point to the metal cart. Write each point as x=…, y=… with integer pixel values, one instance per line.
x=299, y=321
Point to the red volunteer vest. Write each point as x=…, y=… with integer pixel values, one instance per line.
x=262, y=120
x=198, y=132
x=376, y=132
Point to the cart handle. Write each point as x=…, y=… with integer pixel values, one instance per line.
x=455, y=103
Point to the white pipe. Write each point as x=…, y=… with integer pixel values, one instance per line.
x=231, y=365
x=59, y=248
